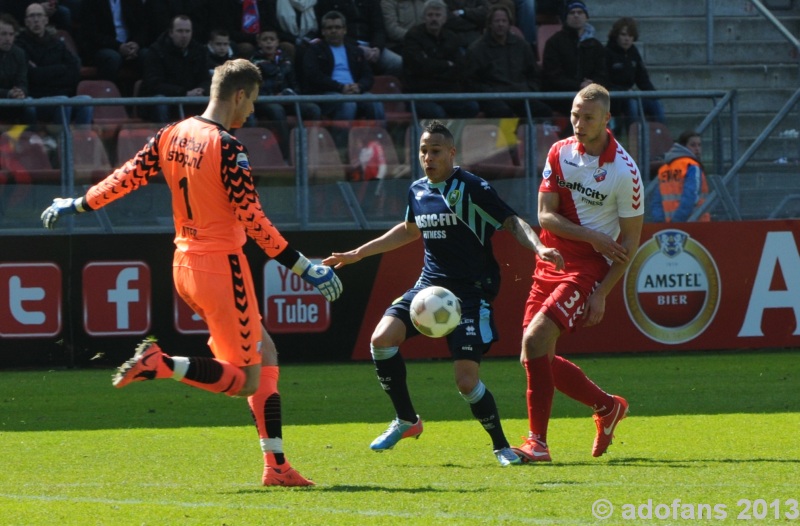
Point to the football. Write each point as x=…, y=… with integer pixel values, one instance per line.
x=435, y=311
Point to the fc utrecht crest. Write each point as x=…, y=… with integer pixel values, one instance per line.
x=672, y=288
x=600, y=175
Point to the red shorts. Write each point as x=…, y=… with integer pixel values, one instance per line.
x=561, y=301
x=219, y=288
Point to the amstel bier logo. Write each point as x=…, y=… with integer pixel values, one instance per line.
x=672, y=288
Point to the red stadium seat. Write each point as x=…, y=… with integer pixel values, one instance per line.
x=25, y=159
x=105, y=89
x=131, y=139
x=543, y=34
x=266, y=160
x=486, y=151
x=324, y=163
x=395, y=110
x=90, y=159
x=660, y=140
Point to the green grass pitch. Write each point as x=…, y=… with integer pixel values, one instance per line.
x=713, y=433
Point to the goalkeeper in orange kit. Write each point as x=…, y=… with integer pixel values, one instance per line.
x=215, y=207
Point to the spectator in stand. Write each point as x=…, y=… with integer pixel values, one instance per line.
x=115, y=33
x=466, y=18
x=297, y=21
x=365, y=28
x=277, y=72
x=336, y=66
x=682, y=185
x=13, y=70
x=500, y=61
x=297, y=27
x=175, y=66
x=53, y=71
x=398, y=17
x=205, y=14
x=573, y=58
x=218, y=50
x=526, y=20
x=626, y=71
x=508, y=4
x=59, y=14
x=434, y=62
x=244, y=20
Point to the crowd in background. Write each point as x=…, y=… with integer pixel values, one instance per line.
x=170, y=48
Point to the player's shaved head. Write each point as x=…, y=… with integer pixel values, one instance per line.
x=596, y=93
x=234, y=75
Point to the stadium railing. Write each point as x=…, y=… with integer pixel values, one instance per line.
x=311, y=191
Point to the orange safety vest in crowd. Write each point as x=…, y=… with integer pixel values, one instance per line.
x=670, y=182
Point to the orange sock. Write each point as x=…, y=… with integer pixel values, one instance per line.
x=214, y=375
x=265, y=406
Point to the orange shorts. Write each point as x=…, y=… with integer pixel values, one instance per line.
x=219, y=288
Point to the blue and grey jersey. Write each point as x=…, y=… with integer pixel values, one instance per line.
x=458, y=218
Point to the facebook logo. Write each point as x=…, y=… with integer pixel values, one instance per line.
x=116, y=298
x=30, y=300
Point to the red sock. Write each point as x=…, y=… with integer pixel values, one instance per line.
x=573, y=382
x=214, y=375
x=265, y=406
x=540, y=395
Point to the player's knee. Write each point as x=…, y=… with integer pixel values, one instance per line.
x=467, y=381
x=390, y=332
x=252, y=380
x=248, y=389
x=532, y=346
x=471, y=389
x=384, y=341
x=382, y=353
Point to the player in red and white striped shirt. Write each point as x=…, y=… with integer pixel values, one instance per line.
x=591, y=209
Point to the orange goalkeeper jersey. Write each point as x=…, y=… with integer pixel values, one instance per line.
x=214, y=201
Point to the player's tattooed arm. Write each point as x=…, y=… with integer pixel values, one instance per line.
x=526, y=237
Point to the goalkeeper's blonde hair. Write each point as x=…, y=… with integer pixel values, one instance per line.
x=234, y=75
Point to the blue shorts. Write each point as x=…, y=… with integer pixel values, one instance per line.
x=474, y=335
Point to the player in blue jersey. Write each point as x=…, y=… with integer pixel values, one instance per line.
x=456, y=213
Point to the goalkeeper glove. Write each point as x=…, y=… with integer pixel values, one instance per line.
x=322, y=277
x=62, y=206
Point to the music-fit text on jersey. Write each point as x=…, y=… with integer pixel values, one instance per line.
x=426, y=222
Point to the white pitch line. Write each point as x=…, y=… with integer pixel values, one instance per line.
x=366, y=513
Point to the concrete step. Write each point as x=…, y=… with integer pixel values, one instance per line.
x=612, y=9
x=761, y=188
x=750, y=124
x=724, y=53
x=764, y=76
x=749, y=100
x=663, y=30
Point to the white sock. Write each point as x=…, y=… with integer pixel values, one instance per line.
x=180, y=364
x=272, y=445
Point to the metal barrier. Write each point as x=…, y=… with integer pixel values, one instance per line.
x=307, y=197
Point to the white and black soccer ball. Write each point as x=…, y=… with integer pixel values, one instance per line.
x=435, y=311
